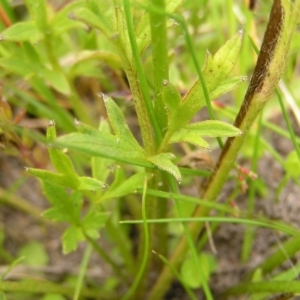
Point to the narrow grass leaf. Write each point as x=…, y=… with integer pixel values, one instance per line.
x=257, y=222
x=264, y=287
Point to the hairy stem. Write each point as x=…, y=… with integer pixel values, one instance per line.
x=160, y=73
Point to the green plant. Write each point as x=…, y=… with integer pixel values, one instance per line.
x=121, y=167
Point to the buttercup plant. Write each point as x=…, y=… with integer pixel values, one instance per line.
x=120, y=165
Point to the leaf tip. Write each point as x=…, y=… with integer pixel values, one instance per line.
x=165, y=82
x=76, y=122
x=51, y=123
x=105, y=186
x=72, y=16
x=104, y=97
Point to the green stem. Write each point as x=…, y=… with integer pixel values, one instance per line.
x=266, y=75
x=198, y=69
x=287, y=249
x=121, y=240
x=162, y=208
x=83, y=268
x=288, y=123
x=43, y=287
x=178, y=276
x=143, y=265
x=189, y=244
x=159, y=58
x=249, y=234
x=142, y=84
x=106, y=257
x=160, y=73
x=264, y=287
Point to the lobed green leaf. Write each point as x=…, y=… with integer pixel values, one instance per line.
x=127, y=187
x=61, y=162
x=193, y=133
x=90, y=184
x=38, y=12
x=172, y=100
x=58, y=80
x=66, y=207
x=54, y=178
x=30, y=69
x=94, y=221
x=72, y=236
x=215, y=71
x=103, y=145
x=22, y=31
x=118, y=123
x=62, y=22
x=100, y=165
x=190, y=136
x=213, y=128
x=164, y=162
x=227, y=85
x=88, y=17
